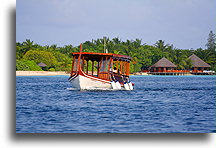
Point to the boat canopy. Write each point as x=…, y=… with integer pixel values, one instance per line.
x=94, y=56
x=102, y=65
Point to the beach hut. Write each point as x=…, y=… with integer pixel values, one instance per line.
x=42, y=65
x=163, y=65
x=198, y=65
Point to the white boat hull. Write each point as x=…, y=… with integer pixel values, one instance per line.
x=84, y=83
x=87, y=82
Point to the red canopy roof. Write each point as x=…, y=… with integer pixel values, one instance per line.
x=96, y=55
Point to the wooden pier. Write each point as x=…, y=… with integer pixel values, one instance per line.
x=181, y=73
x=169, y=73
x=203, y=73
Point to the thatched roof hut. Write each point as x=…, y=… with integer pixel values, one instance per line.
x=42, y=64
x=197, y=62
x=164, y=63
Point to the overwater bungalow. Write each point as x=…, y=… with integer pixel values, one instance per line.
x=162, y=66
x=198, y=65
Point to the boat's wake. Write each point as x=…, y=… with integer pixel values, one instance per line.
x=72, y=89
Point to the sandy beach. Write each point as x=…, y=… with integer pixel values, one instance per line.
x=40, y=73
x=55, y=73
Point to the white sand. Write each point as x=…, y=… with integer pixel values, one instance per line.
x=40, y=73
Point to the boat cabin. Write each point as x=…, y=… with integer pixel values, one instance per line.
x=106, y=66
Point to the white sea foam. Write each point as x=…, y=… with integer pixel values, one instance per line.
x=72, y=88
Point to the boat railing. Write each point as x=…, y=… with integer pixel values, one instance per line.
x=119, y=77
x=103, y=75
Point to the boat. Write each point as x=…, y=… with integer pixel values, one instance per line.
x=100, y=71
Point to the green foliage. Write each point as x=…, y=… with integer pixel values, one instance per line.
x=211, y=44
x=41, y=56
x=213, y=67
x=63, y=62
x=27, y=65
x=187, y=64
x=51, y=69
x=143, y=56
x=211, y=50
x=21, y=65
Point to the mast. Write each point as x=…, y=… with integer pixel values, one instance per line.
x=79, y=66
x=104, y=45
x=105, y=50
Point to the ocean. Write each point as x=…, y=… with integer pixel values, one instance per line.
x=158, y=104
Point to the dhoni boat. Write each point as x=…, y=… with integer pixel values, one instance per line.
x=100, y=71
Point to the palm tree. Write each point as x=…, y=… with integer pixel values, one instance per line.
x=67, y=49
x=127, y=43
x=105, y=41
x=110, y=46
x=116, y=51
x=54, y=47
x=27, y=45
x=116, y=40
x=161, y=45
x=137, y=43
x=97, y=42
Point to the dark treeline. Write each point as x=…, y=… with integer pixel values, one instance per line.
x=29, y=54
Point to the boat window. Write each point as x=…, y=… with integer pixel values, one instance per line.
x=111, y=66
x=104, y=65
x=116, y=66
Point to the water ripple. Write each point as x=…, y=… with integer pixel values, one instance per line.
x=157, y=105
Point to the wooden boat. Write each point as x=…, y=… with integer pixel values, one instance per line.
x=107, y=71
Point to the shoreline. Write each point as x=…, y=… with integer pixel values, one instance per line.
x=57, y=73
x=41, y=73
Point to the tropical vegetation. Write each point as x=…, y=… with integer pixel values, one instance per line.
x=29, y=54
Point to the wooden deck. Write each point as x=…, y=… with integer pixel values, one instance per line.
x=169, y=73
x=181, y=73
x=202, y=73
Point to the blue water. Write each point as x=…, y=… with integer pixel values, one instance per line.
x=159, y=104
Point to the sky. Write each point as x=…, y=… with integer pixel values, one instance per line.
x=183, y=23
